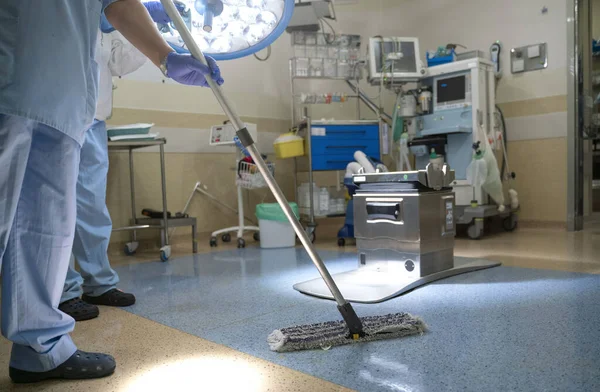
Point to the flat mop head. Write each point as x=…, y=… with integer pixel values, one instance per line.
x=336, y=333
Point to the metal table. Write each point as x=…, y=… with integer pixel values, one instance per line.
x=148, y=223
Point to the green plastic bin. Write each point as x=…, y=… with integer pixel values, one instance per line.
x=275, y=229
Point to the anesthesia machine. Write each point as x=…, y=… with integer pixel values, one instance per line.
x=447, y=116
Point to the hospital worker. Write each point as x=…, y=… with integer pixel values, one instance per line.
x=96, y=280
x=48, y=89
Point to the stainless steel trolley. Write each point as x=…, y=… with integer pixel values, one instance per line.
x=148, y=223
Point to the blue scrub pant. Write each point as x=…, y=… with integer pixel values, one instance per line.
x=38, y=174
x=93, y=227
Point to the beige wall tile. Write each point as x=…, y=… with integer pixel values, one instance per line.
x=216, y=171
x=535, y=106
x=123, y=116
x=541, y=168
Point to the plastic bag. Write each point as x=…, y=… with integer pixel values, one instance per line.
x=273, y=212
x=477, y=172
x=483, y=171
x=493, y=182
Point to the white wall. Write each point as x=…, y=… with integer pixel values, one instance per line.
x=473, y=23
x=255, y=88
x=596, y=19
x=479, y=23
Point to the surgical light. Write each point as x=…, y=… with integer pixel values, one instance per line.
x=230, y=29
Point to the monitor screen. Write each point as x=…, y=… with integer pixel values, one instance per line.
x=406, y=64
x=451, y=89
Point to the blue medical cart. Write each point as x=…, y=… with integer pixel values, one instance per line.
x=330, y=146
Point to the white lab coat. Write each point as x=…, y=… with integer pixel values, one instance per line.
x=115, y=57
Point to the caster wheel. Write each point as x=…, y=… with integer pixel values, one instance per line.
x=474, y=232
x=510, y=223
x=130, y=248
x=213, y=242
x=163, y=257
x=341, y=242
x=310, y=232
x=241, y=243
x=256, y=237
x=226, y=238
x=165, y=253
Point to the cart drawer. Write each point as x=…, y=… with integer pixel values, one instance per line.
x=337, y=161
x=353, y=132
x=325, y=146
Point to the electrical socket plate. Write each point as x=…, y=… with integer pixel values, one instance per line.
x=520, y=60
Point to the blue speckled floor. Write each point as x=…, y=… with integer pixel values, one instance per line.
x=503, y=329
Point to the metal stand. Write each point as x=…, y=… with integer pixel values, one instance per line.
x=239, y=229
x=146, y=223
x=311, y=225
x=305, y=164
x=224, y=233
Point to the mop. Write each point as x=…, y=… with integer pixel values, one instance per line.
x=352, y=329
x=335, y=333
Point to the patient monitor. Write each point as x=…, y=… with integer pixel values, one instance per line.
x=395, y=58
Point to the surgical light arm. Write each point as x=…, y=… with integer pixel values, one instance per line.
x=209, y=9
x=345, y=308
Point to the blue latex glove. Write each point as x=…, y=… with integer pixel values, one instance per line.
x=158, y=13
x=185, y=69
x=105, y=25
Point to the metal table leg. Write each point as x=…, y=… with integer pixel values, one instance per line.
x=164, y=195
x=132, y=186
x=194, y=239
x=165, y=250
x=296, y=179
x=312, y=224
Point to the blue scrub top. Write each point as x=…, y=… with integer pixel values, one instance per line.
x=47, y=68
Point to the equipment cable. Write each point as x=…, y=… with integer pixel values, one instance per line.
x=267, y=57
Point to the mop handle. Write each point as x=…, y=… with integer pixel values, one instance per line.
x=246, y=139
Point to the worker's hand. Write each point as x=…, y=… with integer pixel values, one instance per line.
x=185, y=69
x=158, y=13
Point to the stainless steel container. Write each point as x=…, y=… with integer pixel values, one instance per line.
x=408, y=232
